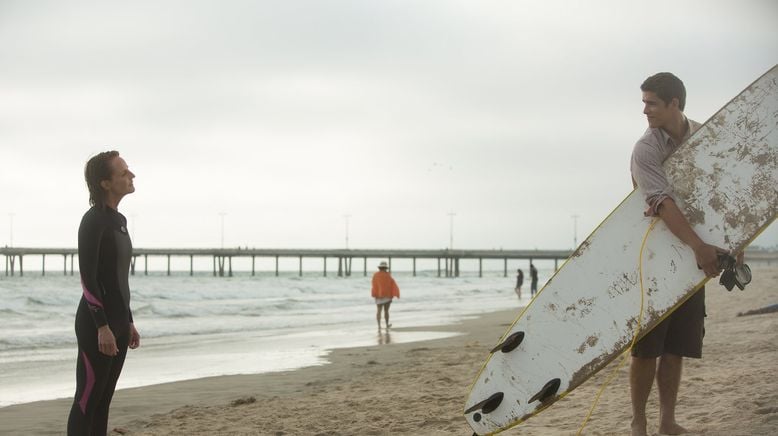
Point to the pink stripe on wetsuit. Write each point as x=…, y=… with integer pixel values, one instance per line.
x=90, y=383
x=90, y=297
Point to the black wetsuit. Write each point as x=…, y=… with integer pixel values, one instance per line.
x=104, y=253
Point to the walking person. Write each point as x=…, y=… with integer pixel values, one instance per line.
x=104, y=324
x=533, y=275
x=384, y=289
x=659, y=354
x=519, y=282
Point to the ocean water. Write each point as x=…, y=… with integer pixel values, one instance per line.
x=201, y=326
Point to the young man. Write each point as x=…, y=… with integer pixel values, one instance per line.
x=660, y=353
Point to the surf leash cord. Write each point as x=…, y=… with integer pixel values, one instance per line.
x=634, y=336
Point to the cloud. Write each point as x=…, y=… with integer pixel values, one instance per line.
x=287, y=115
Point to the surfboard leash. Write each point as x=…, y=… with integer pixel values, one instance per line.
x=634, y=337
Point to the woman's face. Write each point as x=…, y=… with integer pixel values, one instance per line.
x=120, y=183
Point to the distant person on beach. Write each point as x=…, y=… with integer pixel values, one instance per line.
x=533, y=275
x=104, y=325
x=660, y=353
x=384, y=289
x=519, y=281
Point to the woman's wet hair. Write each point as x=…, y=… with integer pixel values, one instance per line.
x=97, y=169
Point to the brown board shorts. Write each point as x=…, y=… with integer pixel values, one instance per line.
x=680, y=333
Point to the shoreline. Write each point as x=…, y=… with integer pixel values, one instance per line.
x=419, y=387
x=131, y=406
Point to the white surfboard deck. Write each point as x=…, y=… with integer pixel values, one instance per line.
x=726, y=180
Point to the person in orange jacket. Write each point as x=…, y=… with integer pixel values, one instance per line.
x=384, y=289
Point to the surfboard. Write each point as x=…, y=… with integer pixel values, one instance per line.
x=632, y=272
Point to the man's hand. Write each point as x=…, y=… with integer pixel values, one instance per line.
x=707, y=257
x=106, y=342
x=705, y=254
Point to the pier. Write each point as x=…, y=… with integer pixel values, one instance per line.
x=448, y=261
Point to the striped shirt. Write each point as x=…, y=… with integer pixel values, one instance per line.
x=648, y=175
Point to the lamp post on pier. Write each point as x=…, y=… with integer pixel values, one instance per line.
x=11, y=229
x=222, y=214
x=575, y=231
x=451, y=216
x=346, y=217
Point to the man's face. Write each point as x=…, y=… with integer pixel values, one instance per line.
x=657, y=112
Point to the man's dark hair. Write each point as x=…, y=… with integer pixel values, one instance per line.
x=666, y=86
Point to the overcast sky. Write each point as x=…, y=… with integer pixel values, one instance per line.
x=287, y=116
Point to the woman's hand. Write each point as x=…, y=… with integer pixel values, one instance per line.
x=134, y=337
x=106, y=342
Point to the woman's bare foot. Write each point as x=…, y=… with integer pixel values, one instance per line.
x=639, y=428
x=672, y=428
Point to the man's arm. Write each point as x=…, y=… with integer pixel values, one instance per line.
x=705, y=254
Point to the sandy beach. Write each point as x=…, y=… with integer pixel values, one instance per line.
x=418, y=388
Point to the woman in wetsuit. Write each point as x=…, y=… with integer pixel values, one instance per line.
x=104, y=326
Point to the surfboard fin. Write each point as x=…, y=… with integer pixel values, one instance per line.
x=510, y=343
x=487, y=406
x=548, y=391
